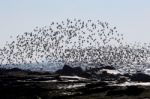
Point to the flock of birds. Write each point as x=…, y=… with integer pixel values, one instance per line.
x=74, y=41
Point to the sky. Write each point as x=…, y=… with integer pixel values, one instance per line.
x=131, y=17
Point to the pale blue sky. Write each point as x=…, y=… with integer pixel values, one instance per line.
x=131, y=17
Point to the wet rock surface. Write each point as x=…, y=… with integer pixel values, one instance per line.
x=22, y=84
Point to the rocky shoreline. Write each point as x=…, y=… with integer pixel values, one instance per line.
x=22, y=84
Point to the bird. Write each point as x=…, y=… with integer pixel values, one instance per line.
x=73, y=41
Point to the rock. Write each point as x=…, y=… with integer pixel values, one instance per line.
x=105, y=73
x=67, y=70
x=141, y=77
x=122, y=79
x=128, y=91
x=70, y=71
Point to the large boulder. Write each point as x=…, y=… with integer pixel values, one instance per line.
x=71, y=71
x=141, y=77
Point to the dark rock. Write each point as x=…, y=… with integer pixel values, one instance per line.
x=96, y=84
x=15, y=70
x=67, y=70
x=134, y=90
x=122, y=79
x=140, y=77
x=109, y=77
x=127, y=75
x=70, y=71
x=129, y=91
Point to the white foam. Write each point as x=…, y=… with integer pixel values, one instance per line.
x=115, y=72
x=134, y=84
x=72, y=86
x=73, y=77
